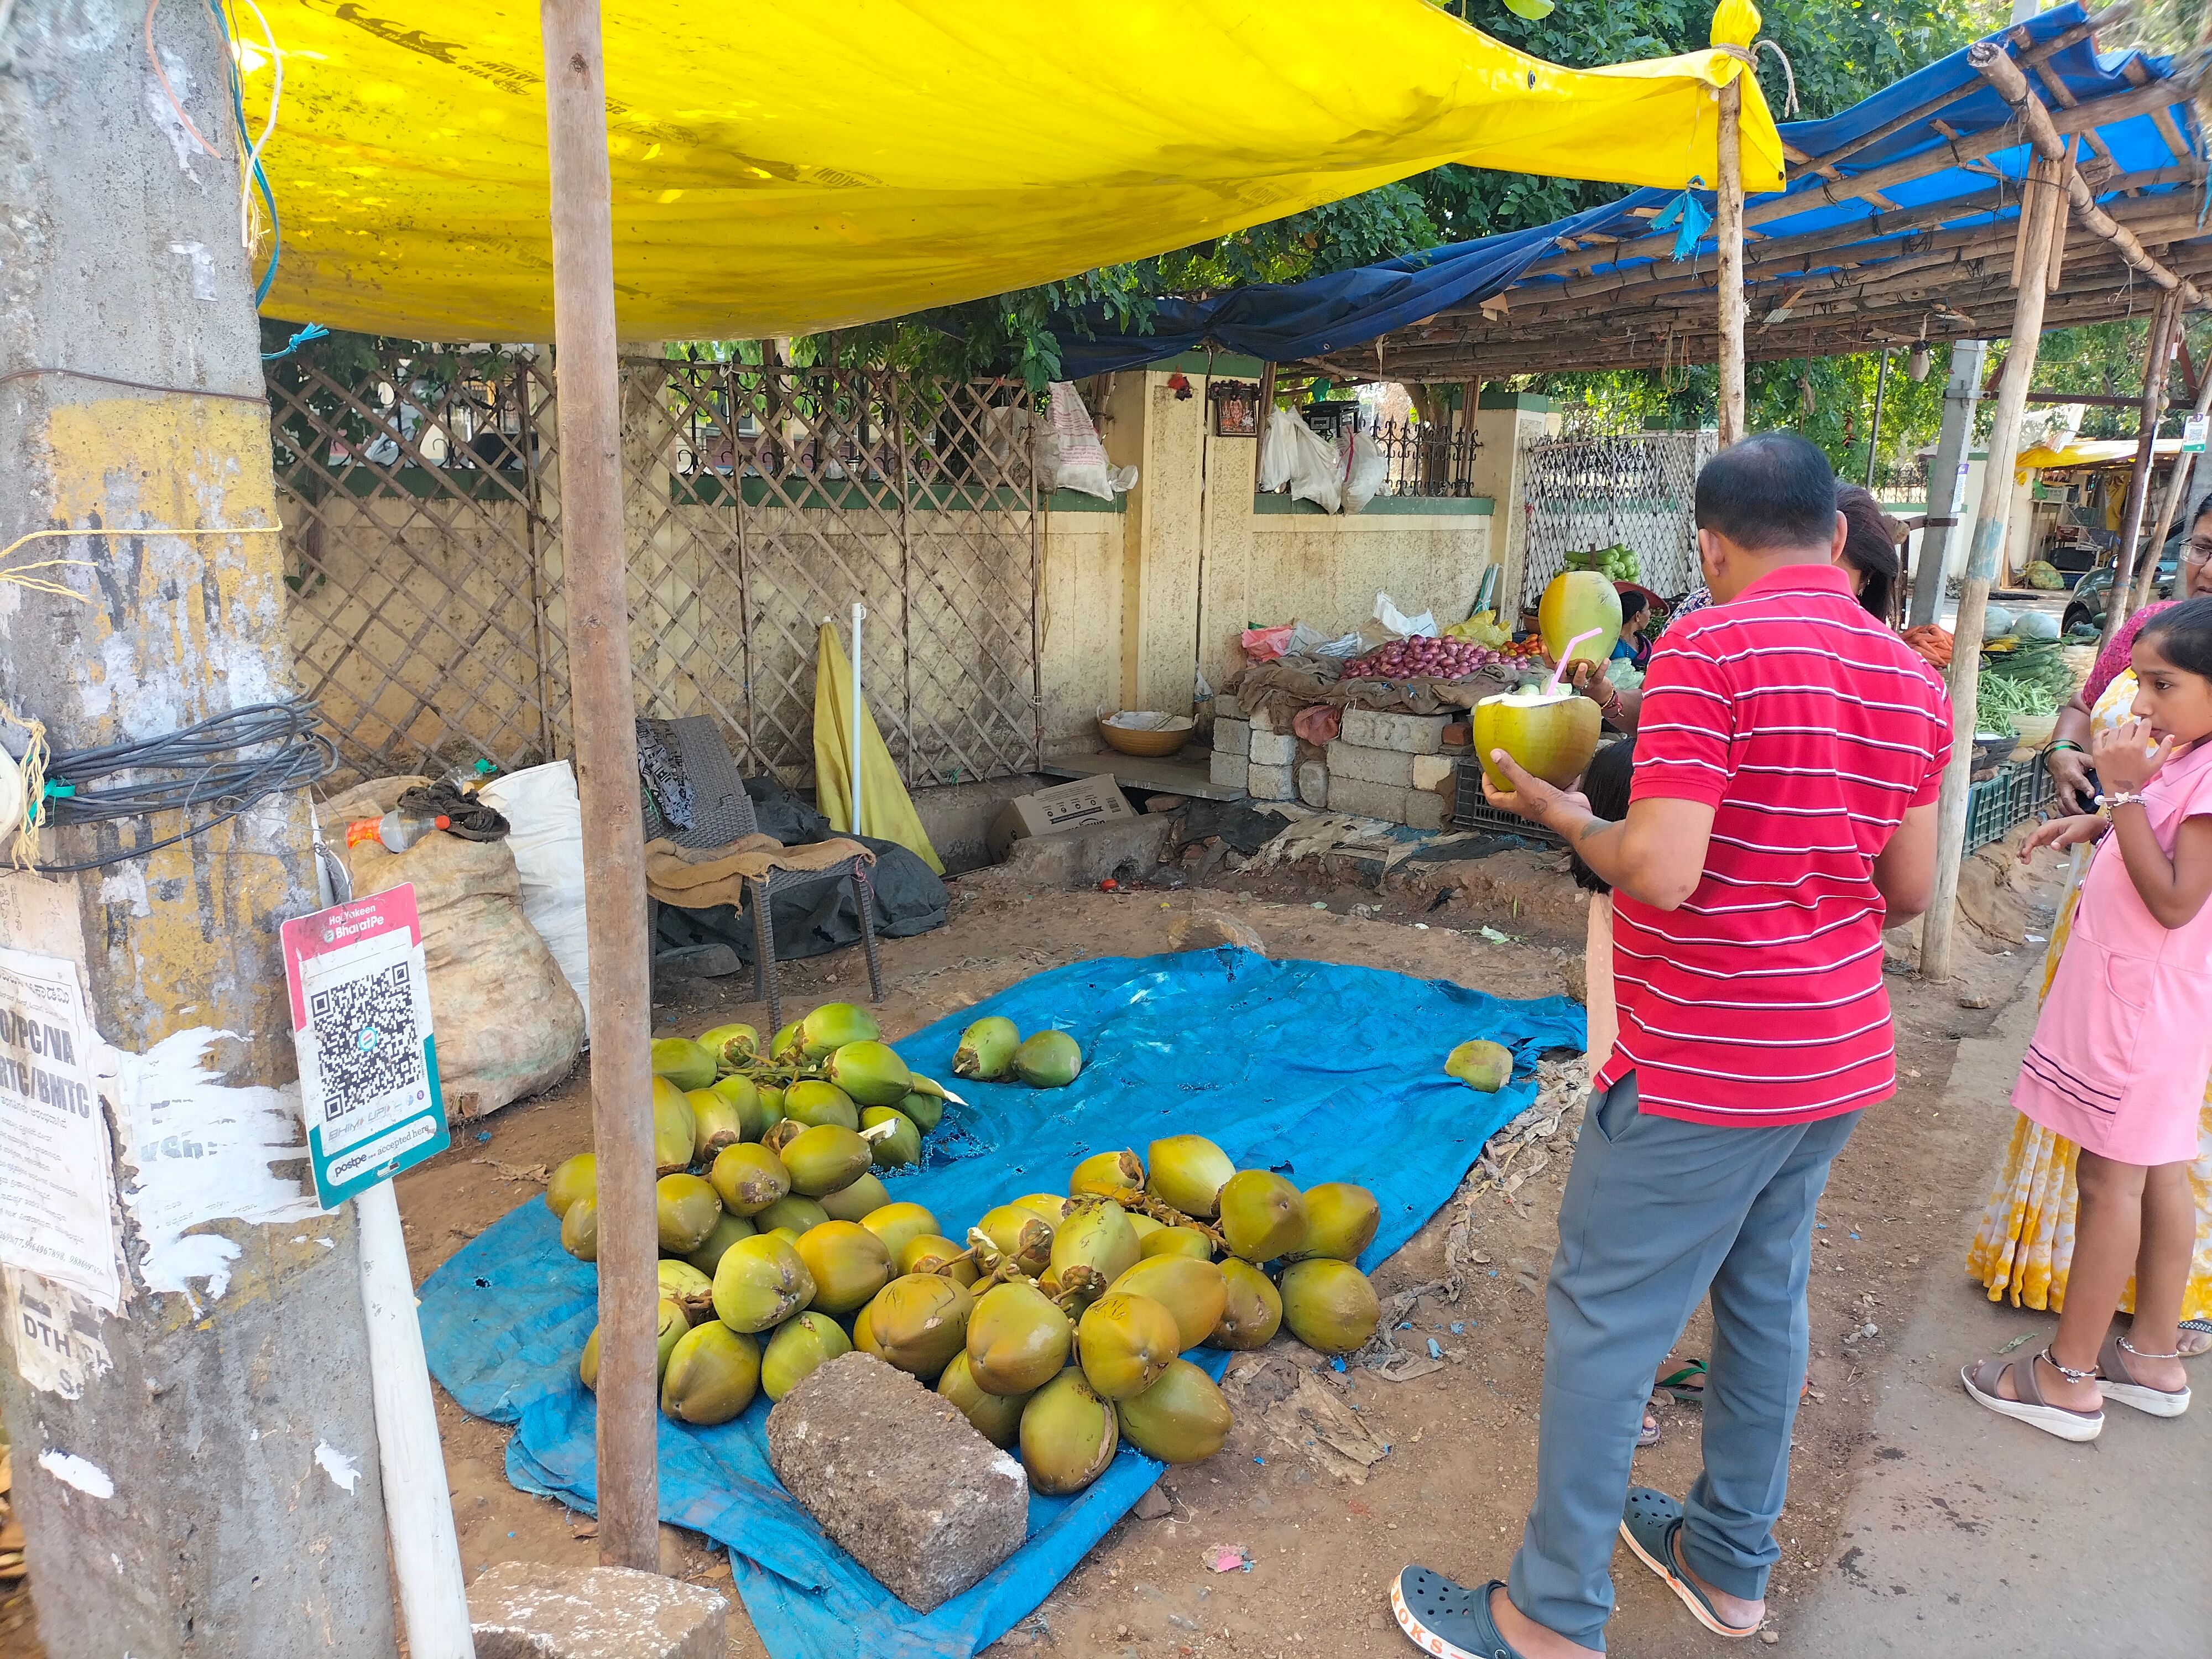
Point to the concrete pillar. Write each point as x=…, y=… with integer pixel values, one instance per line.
x=1507, y=423
x=196, y=1473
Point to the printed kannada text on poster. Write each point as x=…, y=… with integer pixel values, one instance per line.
x=57, y=1184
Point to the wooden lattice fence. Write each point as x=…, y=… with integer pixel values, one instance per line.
x=422, y=524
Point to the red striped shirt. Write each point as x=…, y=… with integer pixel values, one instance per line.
x=1809, y=728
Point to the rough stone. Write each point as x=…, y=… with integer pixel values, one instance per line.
x=1409, y=734
x=1274, y=749
x=1153, y=1505
x=1426, y=810
x=526, y=1610
x=1232, y=737
x=1085, y=857
x=1265, y=719
x=1227, y=770
x=1313, y=783
x=1271, y=782
x=1388, y=767
x=1368, y=800
x=1226, y=707
x=896, y=1474
x=1434, y=771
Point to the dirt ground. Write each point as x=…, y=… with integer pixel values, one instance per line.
x=1324, y=1532
x=1453, y=1489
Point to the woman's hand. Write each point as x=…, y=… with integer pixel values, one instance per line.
x=2070, y=778
x=2061, y=833
x=2125, y=759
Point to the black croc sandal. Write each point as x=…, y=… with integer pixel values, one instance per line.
x=1446, y=1620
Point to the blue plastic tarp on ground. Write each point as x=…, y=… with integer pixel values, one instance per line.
x=1287, y=322
x=1324, y=1071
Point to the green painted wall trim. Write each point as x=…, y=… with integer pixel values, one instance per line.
x=1428, y=507
x=1528, y=400
x=713, y=490
x=1227, y=365
x=1075, y=500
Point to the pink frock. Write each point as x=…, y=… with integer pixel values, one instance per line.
x=2119, y=1056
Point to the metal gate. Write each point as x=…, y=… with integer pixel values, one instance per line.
x=1633, y=490
x=421, y=501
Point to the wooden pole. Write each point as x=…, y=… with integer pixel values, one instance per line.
x=606, y=778
x=1260, y=422
x=1874, y=433
x=1988, y=549
x=2164, y=321
x=2176, y=489
x=1729, y=230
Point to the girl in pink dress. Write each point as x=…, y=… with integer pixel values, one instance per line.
x=2118, y=1060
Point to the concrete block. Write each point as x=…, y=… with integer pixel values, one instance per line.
x=1086, y=857
x=524, y=1610
x=1370, y=800
x=1267, y=719
x=1225, y=707
x=894, y=1473
x=1409, y=734
x=1227, y=770
x=1387, y=767
x=1434, y=771
x=1232, y=737
x=1426, y=810
x=1313, y=783
x=1272, y=782
x=1274, y=749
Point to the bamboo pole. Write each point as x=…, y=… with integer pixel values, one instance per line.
x=1874, y=433
x=2176, y=489
x=606, y=778
x=2152, y=409
x=1989, y=526
x=1727, y=230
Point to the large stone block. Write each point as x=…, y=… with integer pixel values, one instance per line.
x=1409, y=734
x=1370, y=800
x=1434, y=771
x=1225, y=706
x=1227, y=770
x=1313, y=783
x=1426, y=810
x=896, y=1475
x=1388, y=767
x=1273, y=749
x=524, y=1610
x=1272, y=782
x=1232, y=737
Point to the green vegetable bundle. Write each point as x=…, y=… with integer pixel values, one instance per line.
x=2030, y=678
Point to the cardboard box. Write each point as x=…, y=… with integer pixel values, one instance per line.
x=1055, y=812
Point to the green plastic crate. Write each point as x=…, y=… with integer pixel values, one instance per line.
x=2013, y=795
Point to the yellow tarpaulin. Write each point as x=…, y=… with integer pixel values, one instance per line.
x=886, y=810
x=2093, y=451
x=783, y=167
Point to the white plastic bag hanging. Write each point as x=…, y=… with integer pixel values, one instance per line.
x=1365, y=474
x=1405, y=627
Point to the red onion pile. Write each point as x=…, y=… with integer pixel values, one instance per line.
x=1425, y=658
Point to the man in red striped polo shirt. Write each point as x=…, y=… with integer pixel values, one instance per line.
x=1782, y=814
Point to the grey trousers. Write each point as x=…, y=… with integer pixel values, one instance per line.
x=1658, y=1212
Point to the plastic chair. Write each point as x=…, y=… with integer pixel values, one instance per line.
x=723, y=812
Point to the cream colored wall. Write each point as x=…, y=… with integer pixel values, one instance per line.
x=1136, y=600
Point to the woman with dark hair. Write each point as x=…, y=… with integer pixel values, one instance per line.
x=1868, y=552
x=1635, y=616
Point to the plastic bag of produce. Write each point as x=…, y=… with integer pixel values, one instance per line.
x=2034, y=625
x=547, y=840
x=1996, y=622
x=1366, y=470
x=1300, y=459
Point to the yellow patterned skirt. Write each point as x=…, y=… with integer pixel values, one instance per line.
x=2026, y=1241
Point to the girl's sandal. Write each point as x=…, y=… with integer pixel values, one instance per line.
x=2031, y=1408
x=1648, y=1526
x=2117, y=1381
x=2195, y=1338
x=1445, y=1619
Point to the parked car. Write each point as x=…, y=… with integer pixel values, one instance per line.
x=2093, y=593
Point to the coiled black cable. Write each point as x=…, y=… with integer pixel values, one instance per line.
x=204, y=769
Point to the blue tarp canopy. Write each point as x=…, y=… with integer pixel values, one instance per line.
x=1898, y=224
x=1324, y=1071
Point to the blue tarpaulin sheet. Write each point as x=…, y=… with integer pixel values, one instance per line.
x=1324, y=1071
x=1287, y=322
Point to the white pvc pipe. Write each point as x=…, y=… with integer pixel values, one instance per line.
x=853, y=751
x=426, y=1555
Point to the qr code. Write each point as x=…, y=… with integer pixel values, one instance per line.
x=366, y=1036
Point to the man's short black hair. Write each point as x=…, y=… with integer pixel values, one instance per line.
x=1772, y=491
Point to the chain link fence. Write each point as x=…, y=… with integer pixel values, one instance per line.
x=424, y=556
x=1633, y=490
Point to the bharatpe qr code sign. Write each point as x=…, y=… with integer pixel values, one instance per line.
x=361, y=1022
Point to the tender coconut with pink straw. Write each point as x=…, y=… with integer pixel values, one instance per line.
x=1550, y=730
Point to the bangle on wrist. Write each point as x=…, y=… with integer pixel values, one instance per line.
x=2113, y=801
x=2059, y=744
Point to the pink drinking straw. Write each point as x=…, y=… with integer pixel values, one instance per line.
x=1568, y=656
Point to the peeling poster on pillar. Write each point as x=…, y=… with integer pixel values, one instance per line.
x=56, y=1183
